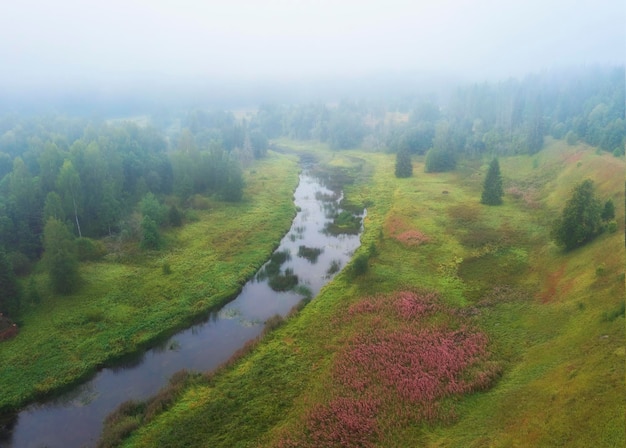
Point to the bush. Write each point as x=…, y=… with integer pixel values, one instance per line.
x=200, y=202
x=90, y=250
x=438, y=160
x=174, y=217
x=360, y=264
x=611, y=227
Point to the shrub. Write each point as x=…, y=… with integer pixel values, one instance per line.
x=438, y=160
x=174, y=217
x=360, y=264
x=90, y=250
x=200, y=202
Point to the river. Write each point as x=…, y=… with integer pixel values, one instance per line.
x=309, y=252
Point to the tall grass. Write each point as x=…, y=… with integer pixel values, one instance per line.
x=515, y=344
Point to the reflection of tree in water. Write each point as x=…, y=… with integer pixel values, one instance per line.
x=7, y=423
x=344, y=223
x=283, y=282
x=327, y=197
x=335, y=266
x=310, y=253
x=299, y=233
x=78, y=396
x=272, y=267
x=272, y=273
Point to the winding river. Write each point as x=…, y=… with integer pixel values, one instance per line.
x=310, y=254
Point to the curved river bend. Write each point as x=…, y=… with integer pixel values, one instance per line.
x=309, y=251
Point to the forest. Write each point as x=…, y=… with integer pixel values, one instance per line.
x=77, y=191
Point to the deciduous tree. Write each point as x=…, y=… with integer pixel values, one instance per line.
x=60, y=257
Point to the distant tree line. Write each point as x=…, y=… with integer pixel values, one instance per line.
x=493, y=119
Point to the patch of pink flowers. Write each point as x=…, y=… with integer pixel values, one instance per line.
x=400, y=368
x=418, y=368
x=406, y=305
x=412, y=238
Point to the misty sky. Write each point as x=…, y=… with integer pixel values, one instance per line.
x=84, y=41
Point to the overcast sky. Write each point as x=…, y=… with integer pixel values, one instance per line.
x=108, y=41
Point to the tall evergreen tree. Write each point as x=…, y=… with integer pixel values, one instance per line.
x=404, y=167
x=492, y=188
x=608, y=212
x=581, y=219
x=60, y=257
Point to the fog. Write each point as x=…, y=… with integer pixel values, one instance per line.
x=70, y=47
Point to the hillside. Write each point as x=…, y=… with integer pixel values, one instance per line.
x=527, y=341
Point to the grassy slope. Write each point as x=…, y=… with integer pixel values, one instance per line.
x=123, y=306
x=563, y=358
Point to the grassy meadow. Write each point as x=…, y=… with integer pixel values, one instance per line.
x=496, y=336
x=129, y=299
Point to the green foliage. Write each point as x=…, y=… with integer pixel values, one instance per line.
x=151, y=208
x=53, y=207
x=404, y=167
x=232, y=185
x=90, y=250
x=360, y=264
x=492, y=187
x=438, y=160
x=60, y=257
x=259, y=143
x=200, y=281
x=581, y=220
x=608, y=212
x=32, y=292
x=611, y=226
x=10, y=294
x=174, y=216
x=69, y=185
x=150, y=237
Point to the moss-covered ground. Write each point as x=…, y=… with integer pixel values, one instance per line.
x=554, y=322
x=128, y=300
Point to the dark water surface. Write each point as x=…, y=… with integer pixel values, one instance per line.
x=75, y=418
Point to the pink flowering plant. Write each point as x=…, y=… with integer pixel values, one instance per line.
x=407, y=368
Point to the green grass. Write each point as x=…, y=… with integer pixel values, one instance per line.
x=555, y=326
x=123, y=306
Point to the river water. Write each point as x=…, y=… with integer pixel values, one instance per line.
x=308, y=251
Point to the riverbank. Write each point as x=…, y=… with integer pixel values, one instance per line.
x=128, y=302
x=553, y=358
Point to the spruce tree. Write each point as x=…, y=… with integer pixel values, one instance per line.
x=404, y=167
x=492, y=188
x=581, y=219
x=608, y=212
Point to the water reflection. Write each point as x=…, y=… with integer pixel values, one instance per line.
x=306, y=260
